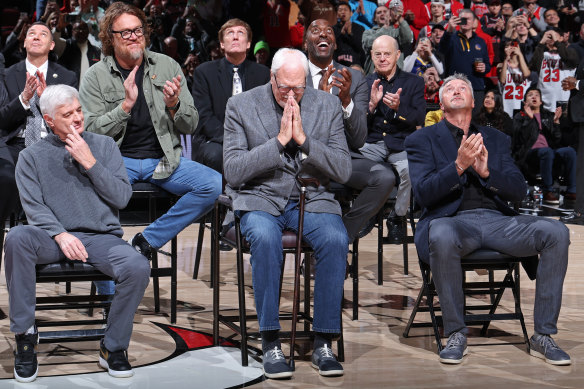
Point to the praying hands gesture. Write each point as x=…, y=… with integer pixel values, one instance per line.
x=291, y=124
x=472, y=152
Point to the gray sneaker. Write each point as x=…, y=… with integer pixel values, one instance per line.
x=455, y=349
x=544, y=347
x=275, y=365
x=325, y=362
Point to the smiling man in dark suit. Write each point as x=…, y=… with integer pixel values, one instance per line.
x=463, y=177
x=374, y=180
x=24, y=82
x=215, y=82
x=272, y=134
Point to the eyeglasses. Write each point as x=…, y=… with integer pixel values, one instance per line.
x=285, y=89
x=126, y=34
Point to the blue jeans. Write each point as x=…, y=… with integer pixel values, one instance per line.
x=451, y=238
x=327, y=236
x=198, y=186
x=546, y=156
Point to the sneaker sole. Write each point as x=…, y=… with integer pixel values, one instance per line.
x=539, y=355
x=26, y=379
x=328, y=373
x=454, y=361
x=114, y=373
x=284, y=374
x=554, y=202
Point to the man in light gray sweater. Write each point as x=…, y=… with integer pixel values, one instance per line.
x=71, y=186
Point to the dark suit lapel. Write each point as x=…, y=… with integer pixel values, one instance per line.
x=20, y=77
x=53, y=77
x=225, y=79
x=446, y=142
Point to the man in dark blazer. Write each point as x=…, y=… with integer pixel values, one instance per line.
x=462, y=177
x=576, y=87
x=213, y=86
x=374, y=180
x=272, y=134
x=19, y=89
x=72, y=57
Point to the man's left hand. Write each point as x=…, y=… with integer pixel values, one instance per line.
x=297, y=131
x=41, y=85
x=344, y=85
x=324, y=83
x=392, y=99
x=480, y=164
x=171, y=91
x=79, y=149
x=569, y=83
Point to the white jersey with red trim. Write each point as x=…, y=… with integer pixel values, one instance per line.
x=552, y=72
x=513, y=90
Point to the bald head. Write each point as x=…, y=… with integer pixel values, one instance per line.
x=385, y=40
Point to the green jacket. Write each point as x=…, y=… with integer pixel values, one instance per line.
x=102, y=92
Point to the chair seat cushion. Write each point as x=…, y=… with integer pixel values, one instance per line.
x=67, y=268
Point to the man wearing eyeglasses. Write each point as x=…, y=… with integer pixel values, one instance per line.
x=272, y=134
x=141, y=100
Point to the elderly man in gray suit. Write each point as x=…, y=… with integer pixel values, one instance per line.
x=374, y=180
x=273, y=133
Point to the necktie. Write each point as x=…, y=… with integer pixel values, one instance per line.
x=237, y=88
x=34, y=123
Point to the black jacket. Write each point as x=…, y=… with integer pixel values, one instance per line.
x=71, y=57
x=526, y=131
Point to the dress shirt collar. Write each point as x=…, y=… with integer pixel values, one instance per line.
x=31, y=69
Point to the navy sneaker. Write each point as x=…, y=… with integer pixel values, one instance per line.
x=275, y=365
x=325, y=362
x=455, y=349
x=26, y=366
x=115, y=362
x=544, y=347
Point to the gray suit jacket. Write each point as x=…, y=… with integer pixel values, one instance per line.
x=259, y=177
x=356, y=124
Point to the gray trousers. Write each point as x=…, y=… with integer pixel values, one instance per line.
x=451, y=238
x=375, y=180
x=27, y=246
x=378, y=152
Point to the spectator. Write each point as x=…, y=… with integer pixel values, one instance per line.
x=432, y=84
x=506, y=10
x=348, y=36
x=518, y=30
x=297, y=31
x=479, y=8
x=553, y=61
x=151, y=109
x=214, y=50
x=171, y=48
x=536, y=144
x=215, y=82
x=579, y=45
x=157, y=35
x=414, y=13
x=79, y=53
x=435, y=37
x=90, y=13
x=453, y=7
x=390, y=23
x=551, y=18
x=188, y=69
x=466, y=53
x=534, y=14
x=423, y=58
x=13, y=50
x=491, y=114
x=436, y=18
x=261, y=52
x=396, y=109
x=190, y=34
x=515, y=78
x=318, y=9
x=276, y=28
x=363, y=12
x=493, y=22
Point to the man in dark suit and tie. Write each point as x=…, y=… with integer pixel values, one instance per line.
x=462, y=177
x=576, y=102
x=24, y=82
x=272, y=134
x=215, y=82
x=375, y=180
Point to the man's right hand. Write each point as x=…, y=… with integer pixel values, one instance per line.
x=30, y=87
x=528, y=111
x=469, y=149
x=286, y=124
x=71, y=246
x=131, y=91
x=376, y=95
x=569, y=83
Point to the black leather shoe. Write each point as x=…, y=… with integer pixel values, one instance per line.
x=573, y=218
x=396, y=230
x=142, y=246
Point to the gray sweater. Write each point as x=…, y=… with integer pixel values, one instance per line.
x=59, y=195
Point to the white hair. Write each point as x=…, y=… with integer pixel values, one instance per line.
x=285, y=55
x=55, y=96
x=455, y=76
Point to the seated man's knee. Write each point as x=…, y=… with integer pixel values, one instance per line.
x=546, y=152
x=442, y=236
x=18, y=236
x=382, y=178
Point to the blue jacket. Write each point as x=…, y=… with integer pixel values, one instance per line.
x=461, y=54
x=390, y=126
x=439, y=189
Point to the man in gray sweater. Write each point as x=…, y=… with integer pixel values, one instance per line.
x=71, y=186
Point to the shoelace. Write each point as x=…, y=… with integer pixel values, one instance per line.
x=276, y=353
x=326, y=352
x=454, y=341
x=548, y=343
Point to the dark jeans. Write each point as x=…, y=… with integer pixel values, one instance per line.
x=546, y=157
x=451, y=238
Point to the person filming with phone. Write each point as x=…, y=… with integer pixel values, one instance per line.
x=466, y=52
